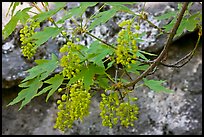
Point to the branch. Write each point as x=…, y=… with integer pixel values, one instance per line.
x=170, y=38
x=188, y=56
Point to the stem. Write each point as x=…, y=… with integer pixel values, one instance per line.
x=100, y=40
x=170, y=38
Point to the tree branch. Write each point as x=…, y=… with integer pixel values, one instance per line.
x=170, y=38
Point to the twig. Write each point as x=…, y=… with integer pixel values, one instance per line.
x=100, y=40
x=170, y=38
x=189, y=56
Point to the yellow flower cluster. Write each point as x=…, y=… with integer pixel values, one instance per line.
x=114, y=111
x=70, y=61
x=72, y=106
x=127, y=48
x=28, y=47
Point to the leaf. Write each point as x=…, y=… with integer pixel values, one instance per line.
x=55, y=82
x=147, y=53
x=169, y=26
x=76, y=11
x=95, y=55
x=42, y=36
x=167, y=15
x=102, y=17
x=137, y=67
x=47, y=14
x=103, y=81
x=11, y=25
x=87, y=74
x=119, y=6
x=141, y=55
x=156, y=86
x=43, y=69
x=25, y=95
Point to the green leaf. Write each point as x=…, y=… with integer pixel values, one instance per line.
x=169, y=26
x=156, y=86
x=103, y=81
x=137, y=67
x=110, y=64
x=11, y=25
x=167, y=15
x=95, y=55
x=25, y=95
x=87, y=74
x=42, y=36
x=102, y=17
x=76, y=11
x=139, y=54
x=43, y=69
x=119, y=6
x=47, y=14
x=147, y=53
x=55, y=82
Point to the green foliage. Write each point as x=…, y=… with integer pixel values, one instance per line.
x=28, y=93
x=42, y=36
x=155, y=85
x=47, y=14
x=33, y=82
x=95, y=55
x=77, y=11
x=189, y=22
x=11, y=25
x=55, y=82
x=101, y=18
x=87, y=73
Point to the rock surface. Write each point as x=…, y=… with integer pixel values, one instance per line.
x=160, y=114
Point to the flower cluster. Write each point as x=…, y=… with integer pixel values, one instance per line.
x=127, y=48
x=114, y=111
x=70, y=61
x=28, y=47
x=73, y=106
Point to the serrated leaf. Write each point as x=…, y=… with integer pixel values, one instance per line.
x=166, y=15
x=156, y=86
x=76, y=11
x=47, y=14
x=95, y=55
x=11, y=25
x=42, y=36
x=102, y=17
x=55, y=82
x=25, y=95
x=87, y=74
x=43, y=69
